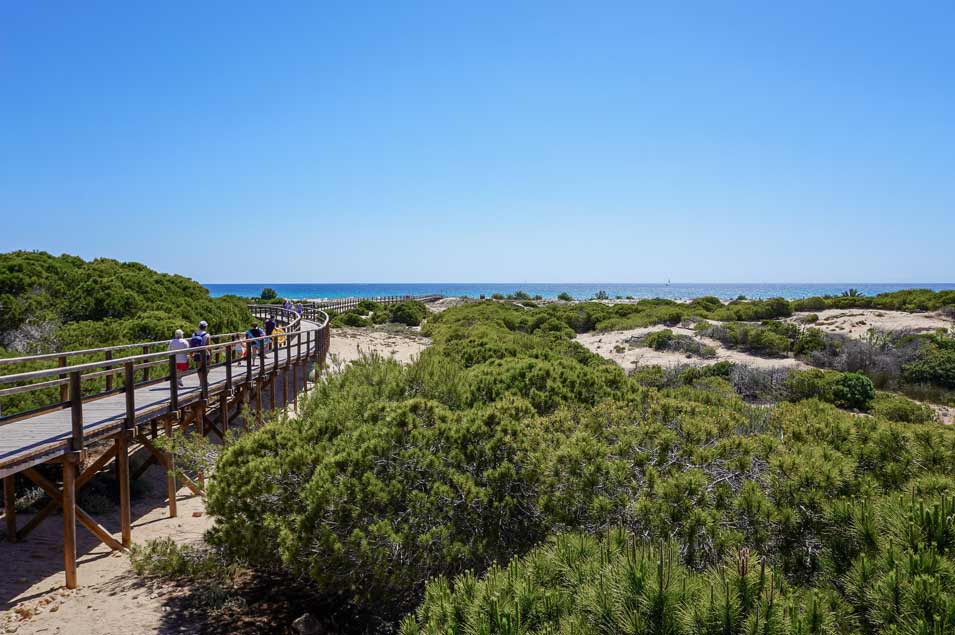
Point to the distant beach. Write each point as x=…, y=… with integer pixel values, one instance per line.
x=676, y=291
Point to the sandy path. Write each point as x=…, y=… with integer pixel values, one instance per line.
x=613, y=345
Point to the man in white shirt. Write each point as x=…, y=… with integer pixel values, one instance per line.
x=179, y=343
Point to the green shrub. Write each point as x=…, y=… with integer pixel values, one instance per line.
x=349, y=318
x=810, y=340
x=935, y=362
x=898, y=408
x=578, y=584
x=563, y=296
x=853, y=390
x=163, y=557
x=658, y=340
x=369, y=306
x=409, y=313
x=268, y=293
x=845, y=390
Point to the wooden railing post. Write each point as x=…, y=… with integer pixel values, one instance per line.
x=122, y=454
x=248, y=362
x=173, y=384
x=64, y=388
x=146, y=369
x=76, y=406
x=109, y=378
x=204, y=375
x=228, y=367
x=129, y=378
x=261, y=353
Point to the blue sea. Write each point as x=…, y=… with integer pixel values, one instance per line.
x=675, y=291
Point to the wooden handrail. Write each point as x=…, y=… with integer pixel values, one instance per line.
x=120, y=347
x=120, y=361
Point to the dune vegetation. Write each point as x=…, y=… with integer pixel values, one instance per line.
x=510, y=481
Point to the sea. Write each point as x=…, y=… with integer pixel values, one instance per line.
x=582, y=291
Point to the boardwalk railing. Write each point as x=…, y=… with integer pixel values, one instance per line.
x=140, y=358
x=343, y=304
x=132, y=372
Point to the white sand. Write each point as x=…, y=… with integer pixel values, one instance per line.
x=857, y=322
x=349, y=343
x=111, y=599
x=607, y=345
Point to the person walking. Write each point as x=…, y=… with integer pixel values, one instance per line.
x=252, y=349
x=269, y=327
x=199, y=339
x=179, y=343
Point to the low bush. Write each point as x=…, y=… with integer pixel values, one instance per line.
x=565, y=297
x=898, y=408
x=409, y=313
x=350, y=317
x=580, y=584
x=934, y=363
x=845, y=390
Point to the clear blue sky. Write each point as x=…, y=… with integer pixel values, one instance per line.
x=479, y=141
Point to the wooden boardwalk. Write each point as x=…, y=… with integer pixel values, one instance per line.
x=47, y=436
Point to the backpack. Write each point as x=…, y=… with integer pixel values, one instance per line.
x=196, y=341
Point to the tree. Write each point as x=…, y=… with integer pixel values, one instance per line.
x=268, y=293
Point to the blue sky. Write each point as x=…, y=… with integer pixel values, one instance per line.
x=453, y=141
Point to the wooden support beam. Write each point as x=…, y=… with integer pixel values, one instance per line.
x=166, y=461
x=51, y=506
x=210, y=426
x=10, y=508
x=258, y=403
x=272, y=396
x=69, y=522
x=67, y=500
x=122, y=474
x=224, y=416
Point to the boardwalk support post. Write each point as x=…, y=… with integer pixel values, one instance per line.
x=122, y=473
x=69, y=520
x=170, y=472
x=76, y=408
x=10, y=508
